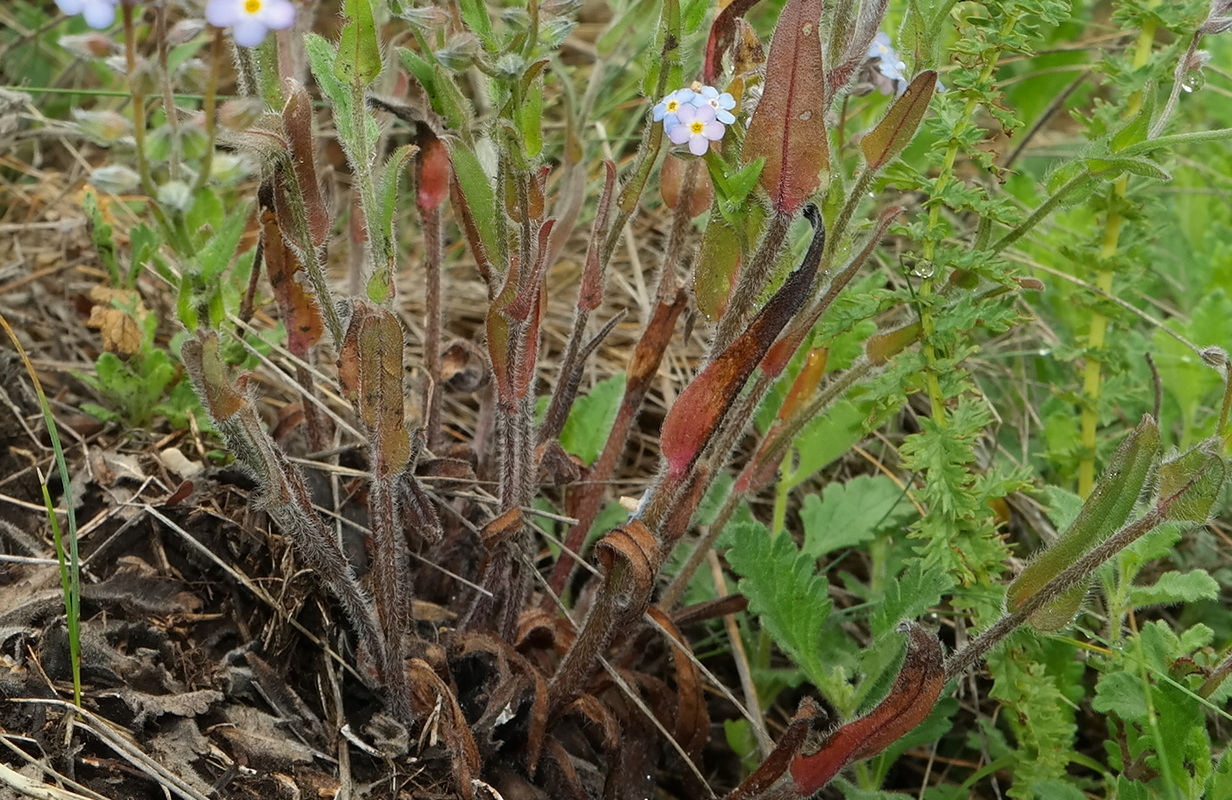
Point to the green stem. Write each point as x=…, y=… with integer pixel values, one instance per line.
x=1041, y=212
x=932, y=235
x=1092, y=374
x=70, y=574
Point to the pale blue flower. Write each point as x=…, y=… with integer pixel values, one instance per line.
x=668, y=108
x=890, y=66
x=697, y=127
x=888, y=63
x=98, y=14
x=721, y=103
x=250, y=20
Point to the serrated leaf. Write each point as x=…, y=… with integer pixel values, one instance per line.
x=1120, y=693
x=849, y=514
x=1176, y=587
x=590, y=420
x=909, y=596
x=359, y=52
x=785, y=592
x=898, y=127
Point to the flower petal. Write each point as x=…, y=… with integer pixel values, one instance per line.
x=726, y=117
x=99, y=14
x=713, y=131
x=277, y=14
x=223, y=13
x=70, y=7
x=705, y=113
x=249, y=32
x=679, y=134
x=698, y=145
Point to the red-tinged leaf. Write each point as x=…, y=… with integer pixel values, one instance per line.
x=499, y=332
x=910, y=701
x=671, y=180
x=806, y=382
x=370, y=372
x=748, y=59
x=884, y=346
x=722, y=36
x=300, y=312
x=788, y=128
x=897, y=128
x=702, y=405
x=854, y=27
x=297, y=119
x=718, y=264
x=780, y=355
x=591, y=292
x=528, y=353
x=433, y=173
x=761, y=468
x=808, y=717
x=529, y=290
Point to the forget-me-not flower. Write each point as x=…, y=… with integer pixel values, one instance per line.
x=721, y=103
x=668, y=108
x=697, y=127
x=250, y=20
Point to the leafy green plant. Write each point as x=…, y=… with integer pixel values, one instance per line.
x=804, y=183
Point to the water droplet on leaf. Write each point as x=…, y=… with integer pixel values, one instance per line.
x=1193, y=80
x=924, y=269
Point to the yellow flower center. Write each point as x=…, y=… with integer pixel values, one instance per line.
x=673, y=106
x=697, y=127
x=252, y=6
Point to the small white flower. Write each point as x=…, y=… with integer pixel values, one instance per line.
x=250, y=20
x=99, y=14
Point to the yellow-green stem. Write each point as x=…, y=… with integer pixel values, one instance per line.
x=927, y=324
x=1092, y=375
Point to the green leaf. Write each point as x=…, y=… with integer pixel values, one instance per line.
x=909, y=596
x=216, y=256
x=590, y=419
x=100, y=233
x=477, y=189
x=1113, y=167
x=785, y=592
x=1056, y=790
x=849, y=514
x=897, y=128
x=359, y=52
x=825, y=439
x=475, y=15
x=1176, y=587
x=1120, y=693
